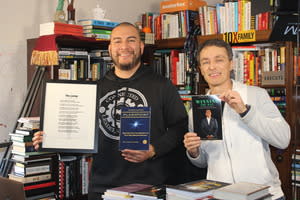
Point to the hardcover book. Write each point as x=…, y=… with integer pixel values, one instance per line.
x=135, y=128
x=195, y=189
x=207, y=116
x=242, y=191
x=125, y=190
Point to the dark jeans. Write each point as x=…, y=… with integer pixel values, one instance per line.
x=281, y=198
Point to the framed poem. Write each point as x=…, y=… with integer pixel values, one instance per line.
x=69, y=116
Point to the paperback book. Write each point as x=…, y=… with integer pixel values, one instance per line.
x=207, y=116
x=135, y=128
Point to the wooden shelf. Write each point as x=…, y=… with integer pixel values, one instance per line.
x=170, y=43
x=261, y=36
x=81, y=42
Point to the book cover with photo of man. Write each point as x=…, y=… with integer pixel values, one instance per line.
x=207, y=116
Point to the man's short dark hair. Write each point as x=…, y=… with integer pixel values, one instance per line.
x=128, y=24
x=217, y=43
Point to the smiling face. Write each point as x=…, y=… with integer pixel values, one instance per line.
x=208, y=113
x=126, y=48
x=215, y=66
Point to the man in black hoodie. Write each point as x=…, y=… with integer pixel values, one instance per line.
x=133, y=84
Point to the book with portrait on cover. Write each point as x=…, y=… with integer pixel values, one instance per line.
x=135, y=128
x=207, y=116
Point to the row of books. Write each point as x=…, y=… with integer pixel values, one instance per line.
x=76, y=64
x=251, y=61
x=73, y=176
x=175, y=25
x=173, y=64
x=278, y=96
x=233, y=16
x=196, y=190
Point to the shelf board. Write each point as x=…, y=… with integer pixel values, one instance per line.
x=81, y=42
x=261, y=36
x=170, y=43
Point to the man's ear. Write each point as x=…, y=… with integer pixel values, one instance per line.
x=231, y=65
x=109, y=50
x=142, y=47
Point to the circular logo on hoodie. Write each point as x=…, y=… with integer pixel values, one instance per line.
x=110, y=109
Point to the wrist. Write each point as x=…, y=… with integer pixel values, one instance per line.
x=246, y=111
x=194, y=154
x=151, y=152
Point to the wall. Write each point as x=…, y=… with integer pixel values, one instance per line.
x=20, y=21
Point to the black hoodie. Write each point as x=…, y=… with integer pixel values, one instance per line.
x=168, y=125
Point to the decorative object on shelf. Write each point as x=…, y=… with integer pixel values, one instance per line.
x=71, y=12
x=190, y=47
x=60, y=15
x=98, y=12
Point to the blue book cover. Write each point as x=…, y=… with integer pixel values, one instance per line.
x=135, y=128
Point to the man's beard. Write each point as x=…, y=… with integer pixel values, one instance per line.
x=128, y=66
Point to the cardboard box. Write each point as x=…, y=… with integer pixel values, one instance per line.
x=178, y=5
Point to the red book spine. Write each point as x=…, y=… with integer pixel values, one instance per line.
x=42, y=185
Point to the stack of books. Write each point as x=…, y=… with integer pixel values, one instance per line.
x=200, y=189
x=99, y=29
x=123, y=192
x=32, y=168
x=150, y=193
x=50, y=28
x=30, y=122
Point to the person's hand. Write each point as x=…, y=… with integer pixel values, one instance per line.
x=234, y=100
x=137, y=156
x=37, y=139
x=192, y=143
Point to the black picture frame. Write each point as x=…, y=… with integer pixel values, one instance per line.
x=69, y=116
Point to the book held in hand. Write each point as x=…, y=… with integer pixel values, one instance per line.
x=207, y=116
x=135, y=128
x=242, y=191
